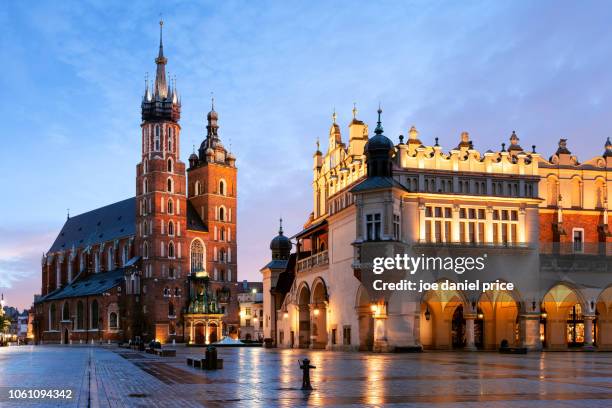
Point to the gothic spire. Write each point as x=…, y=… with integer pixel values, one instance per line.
x=161, y=87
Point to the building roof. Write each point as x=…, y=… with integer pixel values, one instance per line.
x=310, y=228
x=375, y=183
x=194, y=222
x=103, y=224
x=94, y=284
x=286, y=278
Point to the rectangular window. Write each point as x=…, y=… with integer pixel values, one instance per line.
x=578, y=239
x=346, y=335
x=373, y=226
x=396, y=227
x=247, y=322
x=333, y=336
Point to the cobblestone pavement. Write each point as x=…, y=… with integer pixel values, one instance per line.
x=255, y=377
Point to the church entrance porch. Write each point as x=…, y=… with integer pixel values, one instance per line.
x=203, y=328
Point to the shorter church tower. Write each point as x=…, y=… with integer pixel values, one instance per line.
x=212, y=191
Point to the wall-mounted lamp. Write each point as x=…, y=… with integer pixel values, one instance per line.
x=316, y=311
x=285, y=315
x=427, y=314
x=480, y=316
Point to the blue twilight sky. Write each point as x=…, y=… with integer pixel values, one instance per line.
x=73, y=77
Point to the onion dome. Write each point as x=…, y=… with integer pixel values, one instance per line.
x=379, y=151
x=280, y=245
x=608, y=151
x=379, y=141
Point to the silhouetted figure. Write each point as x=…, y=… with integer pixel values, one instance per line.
x=305, y=367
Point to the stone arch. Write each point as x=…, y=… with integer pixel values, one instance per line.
x=441, y=322
x=498, y=313
x=603, y=321
x=558, y=301
x=363, y=307
x=319, y=302
x=303, y=304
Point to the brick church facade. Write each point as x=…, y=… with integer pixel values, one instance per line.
x=161, y=265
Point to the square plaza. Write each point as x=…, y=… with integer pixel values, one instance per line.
x=257, y=377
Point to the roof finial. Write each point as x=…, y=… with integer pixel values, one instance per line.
x=379, y=128
x=318, y=144
x=193, y=149
x=212, y=101
x=67, y=213
x=280, y=228
x=161, y=43
x=354, y=110
x=334, y=116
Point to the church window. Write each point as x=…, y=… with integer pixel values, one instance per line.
x=197, y=256
x=222, y=187
x=170, y=166
x=170, y=140
x=94, y=315
x=221, y=214
x=79, y=316
x=170, y=228
x=66, y=312
x=171, y=250
x=145, y=186
x=169, y=185
x=157, y=138
x=126, y=254
x=170, y=206
x=222, y=234
x=113, y=321
x=52, y=317
x=145, y=250
x=170, y=309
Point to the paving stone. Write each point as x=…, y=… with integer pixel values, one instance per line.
x=256, y=377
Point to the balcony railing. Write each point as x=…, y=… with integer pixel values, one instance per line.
x=318, y=259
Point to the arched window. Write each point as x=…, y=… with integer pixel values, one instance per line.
x=113, y=321
x=145, y=250
x=222, y=234
x=157, y=138
x=198, y=188
x=197, y=256
x=600, y=188
x=221, y=214
x=170, y=309
x=169, y=185
x=171, y=250
x=553, y=191
x=166, y=291
x=52, y=317
x=176, y=291
x=170, y=140
x=145, y=165
x=66, y=312
x=222, y=187
x=79, y=316
x=169, y=165
x=94, y=315
x=145, y=186
x=170, y=206
x=576, y=193
x=222, y=255
x=170, y=228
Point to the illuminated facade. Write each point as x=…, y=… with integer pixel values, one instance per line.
x=542, y=224
x=161, y=265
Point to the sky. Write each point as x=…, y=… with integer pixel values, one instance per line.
x=73, y=78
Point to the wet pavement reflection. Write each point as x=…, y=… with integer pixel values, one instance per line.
x=256, y=377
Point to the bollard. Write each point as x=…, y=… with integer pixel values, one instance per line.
x=305, y=367
x=211, y=358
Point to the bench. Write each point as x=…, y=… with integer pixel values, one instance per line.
x=165, y=352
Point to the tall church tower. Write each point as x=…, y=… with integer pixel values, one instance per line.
x=212, y=190
x=161, y=206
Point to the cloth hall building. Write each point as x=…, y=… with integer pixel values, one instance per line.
x=540, y=223
x=161, y=265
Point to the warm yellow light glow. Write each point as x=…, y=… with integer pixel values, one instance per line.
x=544, y=315
x=254, y=291
x=316, y=312
x=480, y=316
x=285, y=315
